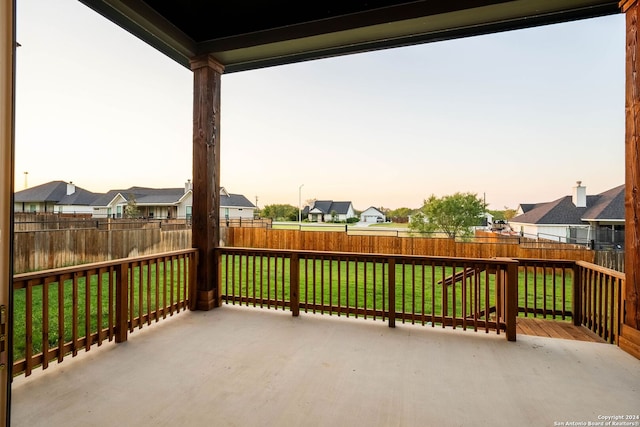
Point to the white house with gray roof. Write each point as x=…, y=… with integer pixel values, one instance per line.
x=167, y=203
x=328, y=210
x=55, y=197
x=578, y=218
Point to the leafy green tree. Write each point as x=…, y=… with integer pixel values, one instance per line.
x=505, y=214
x=131, y=210
x=400, y=214
x=453, y=215
x=280, y=212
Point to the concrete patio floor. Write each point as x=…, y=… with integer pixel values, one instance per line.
x=237, y=366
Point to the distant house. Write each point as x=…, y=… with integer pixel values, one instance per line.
x=55, y=197
x=155, y=203
x=167, y=203
x=579, y=218
x=234, y=206
x=372, y=215
x=328, y=211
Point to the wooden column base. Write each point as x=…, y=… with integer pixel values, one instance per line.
x=629, y=340
x=206, y=300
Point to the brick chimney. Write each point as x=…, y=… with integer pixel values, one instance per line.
x=579, y=195
x=188, y=186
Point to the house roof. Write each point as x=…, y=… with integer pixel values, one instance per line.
x=235, y=201
x=245, y=35
x=328, y=206
x=55, y=192
x=608, y=205
x=372, y=208
x=168, y=196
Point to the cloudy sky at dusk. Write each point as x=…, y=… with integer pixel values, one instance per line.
x=516, y=116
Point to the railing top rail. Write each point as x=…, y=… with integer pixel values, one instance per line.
x=615, y=273
x=95, y=265
x=335, y=254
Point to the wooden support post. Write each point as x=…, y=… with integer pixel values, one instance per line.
x=510, y=306
x=207, y=74
x=294, y=283
x=7, y=96
x=632, y=173
x=576, y=296
x=122, y=302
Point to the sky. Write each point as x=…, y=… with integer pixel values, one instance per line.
x=514, y=117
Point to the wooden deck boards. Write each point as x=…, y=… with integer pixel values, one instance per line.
x=555, y=329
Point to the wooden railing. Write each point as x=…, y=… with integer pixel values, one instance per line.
x=599, y=300
x=546, y=288
x=457, y=292
x=58, y=312
x=585, y=293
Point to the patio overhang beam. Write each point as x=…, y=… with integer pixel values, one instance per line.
x=287, y=34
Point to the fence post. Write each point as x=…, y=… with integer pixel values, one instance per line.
x=391, y=280
x=576, y=297
x=511, y=299
x=122, y=294
x=294, y=284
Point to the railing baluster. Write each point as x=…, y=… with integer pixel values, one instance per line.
x=28, y=350
x=433, y=294
x=313, y=287
x=140, y=289
x=61, y=316
x=391, y=280
x=294, y=276
x=87, y=310
x=45, y=321
x=74, y=315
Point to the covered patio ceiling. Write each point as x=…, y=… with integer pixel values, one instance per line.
x=244, y=35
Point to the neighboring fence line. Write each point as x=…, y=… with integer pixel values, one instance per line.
x=39, y=250
x=613, y=259
x=344, y=242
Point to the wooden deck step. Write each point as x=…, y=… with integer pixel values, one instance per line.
x=555, y=329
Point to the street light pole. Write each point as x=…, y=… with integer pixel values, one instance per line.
x=300, y=204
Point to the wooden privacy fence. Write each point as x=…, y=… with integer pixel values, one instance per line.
x=466, y=293
x=38, y=250
x=344, y=242
x=58, y=312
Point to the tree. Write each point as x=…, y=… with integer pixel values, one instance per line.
x=400, y=214
x=453, y=215
x=280, y=212
x=131, y=209
x=509, y=213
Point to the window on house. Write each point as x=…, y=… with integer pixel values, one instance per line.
x=188, y=212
